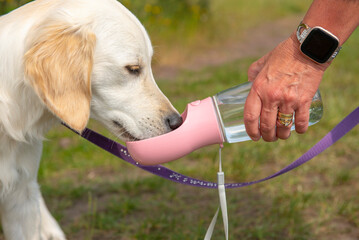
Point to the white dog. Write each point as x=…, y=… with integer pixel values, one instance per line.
x=67, y=60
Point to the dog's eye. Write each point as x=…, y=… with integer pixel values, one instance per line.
x=134, y=69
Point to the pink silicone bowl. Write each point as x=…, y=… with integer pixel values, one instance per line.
x=200, y=128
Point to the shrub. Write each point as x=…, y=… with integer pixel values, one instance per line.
x=171, y=14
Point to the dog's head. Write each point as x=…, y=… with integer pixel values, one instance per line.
x=98, y=63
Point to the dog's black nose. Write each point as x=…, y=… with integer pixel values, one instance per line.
x=173, y=121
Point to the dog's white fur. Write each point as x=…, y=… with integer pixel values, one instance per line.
x=64, y=60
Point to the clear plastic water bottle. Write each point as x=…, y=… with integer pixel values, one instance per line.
x=230, y=106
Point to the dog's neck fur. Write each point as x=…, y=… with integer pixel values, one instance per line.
x=26, y=119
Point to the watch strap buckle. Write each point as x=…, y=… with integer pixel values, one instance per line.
x=302, y=35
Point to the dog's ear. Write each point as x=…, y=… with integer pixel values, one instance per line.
x=58, y=65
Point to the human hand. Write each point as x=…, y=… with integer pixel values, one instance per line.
x=283, y=80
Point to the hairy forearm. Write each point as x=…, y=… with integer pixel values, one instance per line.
x=341, y=17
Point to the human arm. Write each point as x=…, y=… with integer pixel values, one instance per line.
x=286, y=80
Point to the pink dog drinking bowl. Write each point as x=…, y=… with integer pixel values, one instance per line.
x=200, y=128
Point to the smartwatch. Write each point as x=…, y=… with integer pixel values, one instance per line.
x=318, y=44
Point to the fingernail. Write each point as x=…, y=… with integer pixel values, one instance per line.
x=256, y=139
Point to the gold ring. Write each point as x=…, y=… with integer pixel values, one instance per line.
x=285, y=119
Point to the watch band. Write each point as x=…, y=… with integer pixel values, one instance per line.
x=302, y=32
x=302, y=35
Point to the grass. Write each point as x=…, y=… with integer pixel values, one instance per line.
x=97, y=196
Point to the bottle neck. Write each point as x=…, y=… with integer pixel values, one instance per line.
x=219, y=118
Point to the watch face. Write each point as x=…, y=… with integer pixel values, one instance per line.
x=319, y=45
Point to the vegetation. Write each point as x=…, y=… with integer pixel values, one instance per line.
x=9, y=5
x=96, y=196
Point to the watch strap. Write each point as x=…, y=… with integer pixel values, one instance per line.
x=302, y=31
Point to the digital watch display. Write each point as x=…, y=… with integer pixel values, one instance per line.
x=317, y=43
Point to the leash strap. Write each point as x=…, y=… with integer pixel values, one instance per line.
x=120, y=151
x=222, y=202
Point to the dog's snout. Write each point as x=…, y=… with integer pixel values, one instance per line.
x=173, y=121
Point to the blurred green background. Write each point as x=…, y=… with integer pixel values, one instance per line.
x=203, y=47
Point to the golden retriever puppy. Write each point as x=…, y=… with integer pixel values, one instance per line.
x=68, y=60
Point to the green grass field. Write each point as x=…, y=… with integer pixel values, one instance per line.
x=97, y=196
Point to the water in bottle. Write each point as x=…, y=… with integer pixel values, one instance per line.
x=230, y=106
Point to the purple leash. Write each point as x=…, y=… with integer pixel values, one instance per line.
x=347, y=124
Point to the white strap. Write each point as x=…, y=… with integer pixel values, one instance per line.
x=211, y=226
x=223, y=203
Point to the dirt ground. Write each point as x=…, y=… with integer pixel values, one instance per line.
x=255, y=43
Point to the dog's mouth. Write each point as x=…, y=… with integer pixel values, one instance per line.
x=124, y=133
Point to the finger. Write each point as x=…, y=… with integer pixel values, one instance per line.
x=252, y=110
x=268, y=123
x=302, y=118
x=283, y=132
x=256, y=67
